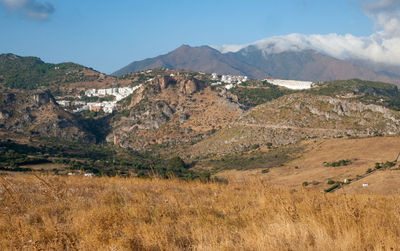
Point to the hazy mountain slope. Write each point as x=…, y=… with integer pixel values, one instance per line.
x=256, y=63
x=203, y=58
x=306, y=65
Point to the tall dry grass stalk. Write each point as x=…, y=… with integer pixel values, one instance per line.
x=50, y=212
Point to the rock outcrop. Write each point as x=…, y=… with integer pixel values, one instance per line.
x=172, y=110
x=37, y=113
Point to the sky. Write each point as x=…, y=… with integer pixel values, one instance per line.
x=107, y=35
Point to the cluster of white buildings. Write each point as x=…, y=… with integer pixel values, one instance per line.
x=119, y=93
x=229, y=79
x=106, y=106
x=67, y=103
x=291, y=84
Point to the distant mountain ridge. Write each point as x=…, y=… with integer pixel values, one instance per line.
x=256, y=63
x=203, y=59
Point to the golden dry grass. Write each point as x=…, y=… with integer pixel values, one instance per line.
x=50, y=212
x=364, y=153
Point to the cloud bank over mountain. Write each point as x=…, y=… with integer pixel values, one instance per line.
x=383, y=46
x=31, y=9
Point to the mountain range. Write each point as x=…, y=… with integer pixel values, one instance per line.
x=256, y=63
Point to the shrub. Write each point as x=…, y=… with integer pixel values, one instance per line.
x=338, y=163
x=331, y=182
x=305, y=183
x=176, y=162
x=389, y=164
x=332, y=188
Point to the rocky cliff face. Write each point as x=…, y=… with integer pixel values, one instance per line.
x=300, y=116
x=170, y=111
x=37, y=113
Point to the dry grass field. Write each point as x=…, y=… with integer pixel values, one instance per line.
x=363, y=152
x=69, y=213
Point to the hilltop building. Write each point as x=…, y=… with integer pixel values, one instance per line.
x=291, y=84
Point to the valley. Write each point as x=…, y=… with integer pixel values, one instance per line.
x=195, y=125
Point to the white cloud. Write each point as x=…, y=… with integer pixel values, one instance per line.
x=383, y=46
x=32, y=9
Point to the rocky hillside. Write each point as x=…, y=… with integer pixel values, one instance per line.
x=368, y=92
x=299, y=116
x=193, y=113
x=168, y=111
x=35, y=113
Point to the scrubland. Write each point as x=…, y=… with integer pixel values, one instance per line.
x=54, y=212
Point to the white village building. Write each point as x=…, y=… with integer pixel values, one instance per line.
x=64, y=102
x=291, y=84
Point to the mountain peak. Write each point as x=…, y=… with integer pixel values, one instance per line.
x=200, y=58
x=184, y=46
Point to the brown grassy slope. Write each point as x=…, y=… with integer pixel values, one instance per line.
x=125, y=214
x=383, y=182
x=363, y=152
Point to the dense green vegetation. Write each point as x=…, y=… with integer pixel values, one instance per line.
x=13, y=157
x=255, y=95
x=31, y=72
x=365, y=91
x=101, y=159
